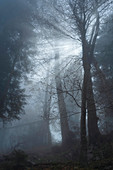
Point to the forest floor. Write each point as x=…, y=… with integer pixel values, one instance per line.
x=98, y=165
x=56, y=159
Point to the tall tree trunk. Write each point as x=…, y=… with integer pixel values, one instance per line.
x=93, y=131
x=47, y=103
x=61, y=103
x=83, y=150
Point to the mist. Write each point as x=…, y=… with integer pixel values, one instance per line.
x=56, y=84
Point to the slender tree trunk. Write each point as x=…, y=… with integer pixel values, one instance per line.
x=83, y=150
x=47, y=103
x=61, y=103
x=93, y=130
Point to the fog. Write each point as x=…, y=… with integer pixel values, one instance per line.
x=56, y=79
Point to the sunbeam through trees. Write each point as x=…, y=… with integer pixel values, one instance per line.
x=56, y=84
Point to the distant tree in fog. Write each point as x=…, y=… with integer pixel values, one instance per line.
x=104, y=70
x=14, y=56
x=61, y=104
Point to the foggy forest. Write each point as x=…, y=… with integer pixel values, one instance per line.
x=56, y=84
